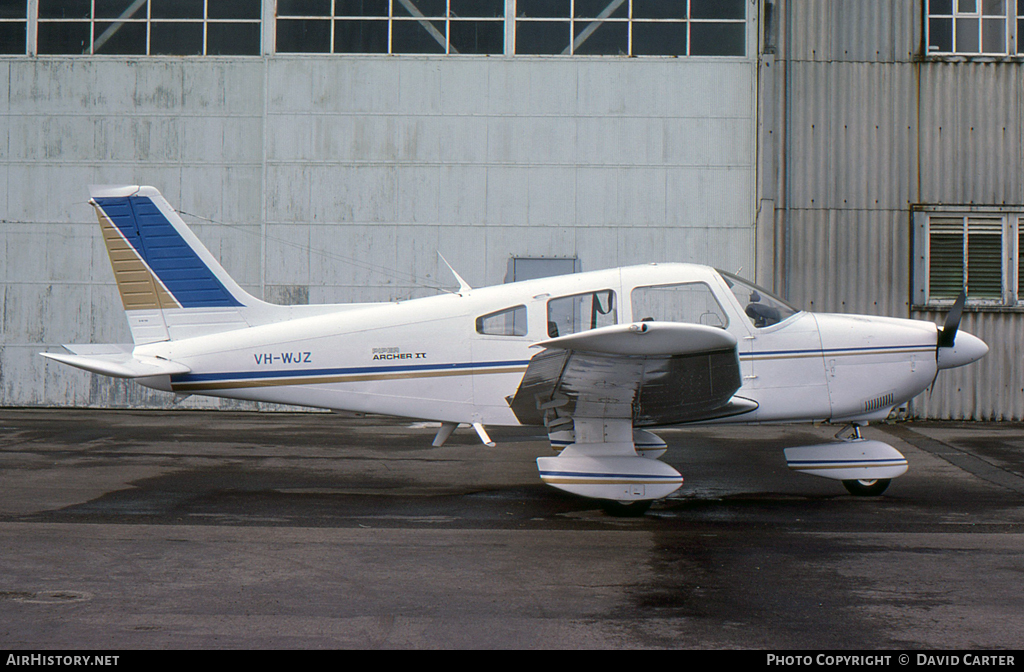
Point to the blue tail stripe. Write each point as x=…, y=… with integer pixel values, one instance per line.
x=179, y=268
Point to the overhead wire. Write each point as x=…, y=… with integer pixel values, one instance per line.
x=366, y=266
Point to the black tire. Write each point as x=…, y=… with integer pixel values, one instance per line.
x=867, y=488
x=626, y=509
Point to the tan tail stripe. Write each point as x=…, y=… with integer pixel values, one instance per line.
x=139, y=287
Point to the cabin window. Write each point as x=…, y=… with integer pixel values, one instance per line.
x=976, y=250
x=974, y=27
x=508, y=322
x=691, y=302
x=581, y=312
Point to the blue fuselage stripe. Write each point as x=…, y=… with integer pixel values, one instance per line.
x=879, y=349
x=454, y=366
x=359, y=370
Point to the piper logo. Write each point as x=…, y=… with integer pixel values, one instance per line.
x=392, y=353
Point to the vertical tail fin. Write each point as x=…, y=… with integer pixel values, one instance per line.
x=170, y=285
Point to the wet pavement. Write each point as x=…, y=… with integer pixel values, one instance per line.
x=131, y=529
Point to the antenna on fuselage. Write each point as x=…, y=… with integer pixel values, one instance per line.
x=463, y=285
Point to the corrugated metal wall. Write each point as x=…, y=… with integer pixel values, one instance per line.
x=971, y=125
x=872, y=128
x=322, y=172
x=990, y=389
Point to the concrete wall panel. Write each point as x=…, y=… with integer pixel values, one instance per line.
x=328, y=179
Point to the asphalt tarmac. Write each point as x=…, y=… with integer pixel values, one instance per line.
x=213, y=530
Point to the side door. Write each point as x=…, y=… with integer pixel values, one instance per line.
x=500, y=346
x=784, y=369
x=694, y=302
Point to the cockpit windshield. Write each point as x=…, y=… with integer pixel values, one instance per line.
x=763, y=309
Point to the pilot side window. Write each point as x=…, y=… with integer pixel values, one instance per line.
x=508, y=322
x=760, y=307
x=692, y=302
x=581, y=312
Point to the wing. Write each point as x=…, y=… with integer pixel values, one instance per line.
x=605, y=382
x=653, y=373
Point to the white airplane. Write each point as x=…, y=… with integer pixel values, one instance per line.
x=594, y=357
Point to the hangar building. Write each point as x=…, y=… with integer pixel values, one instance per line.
x=854, y=155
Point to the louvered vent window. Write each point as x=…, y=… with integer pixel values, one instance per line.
x=946, y=261
x=1020, y=265
x=984, y=258
x=966, y=252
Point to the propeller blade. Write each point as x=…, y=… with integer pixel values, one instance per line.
x=947, y=336
x=934, y=378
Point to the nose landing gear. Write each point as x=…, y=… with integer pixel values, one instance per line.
x=864, y=466
x=867, y=487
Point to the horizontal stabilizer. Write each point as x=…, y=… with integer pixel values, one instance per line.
x=117, y=361
x=862, y=459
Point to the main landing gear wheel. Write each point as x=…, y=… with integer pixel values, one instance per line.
x=625, y=509
x=867, y=488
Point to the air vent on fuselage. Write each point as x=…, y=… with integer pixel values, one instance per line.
x=879, y=402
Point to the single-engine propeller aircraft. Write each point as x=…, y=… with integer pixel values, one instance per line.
x=596, y=358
